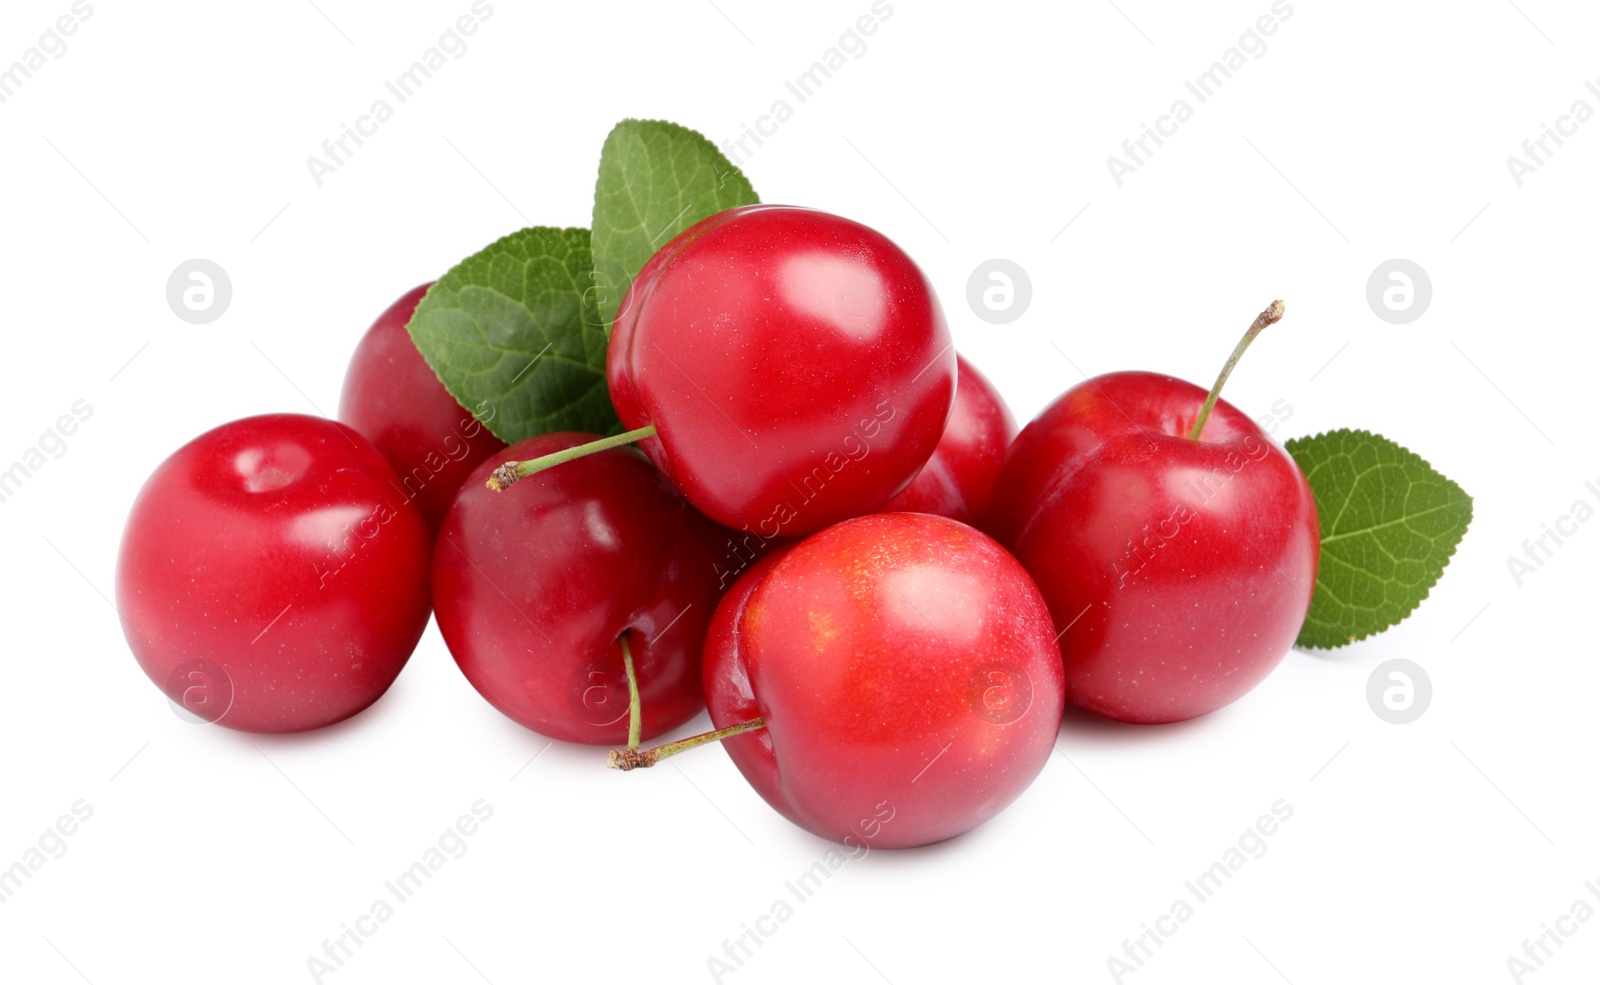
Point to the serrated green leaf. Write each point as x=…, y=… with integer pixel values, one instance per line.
x=1389, y=526
x=656, y=180
x=514, y=335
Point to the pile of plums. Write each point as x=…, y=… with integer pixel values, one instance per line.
x=816, y=524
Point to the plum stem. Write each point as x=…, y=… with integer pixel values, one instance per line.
x=1270, y=316
x=510, y=472
x=632, y=759
x=635, y=718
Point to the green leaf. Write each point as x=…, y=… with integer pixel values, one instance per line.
x=1389, y=526
x=515, y=337
x=656, y=180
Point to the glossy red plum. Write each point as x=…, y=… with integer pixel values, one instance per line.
x=905, y=669
x=796, y=366
x=1180, y=570
x=533, y=588
x=273, y=577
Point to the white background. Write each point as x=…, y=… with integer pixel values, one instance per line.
x=1367, y=131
